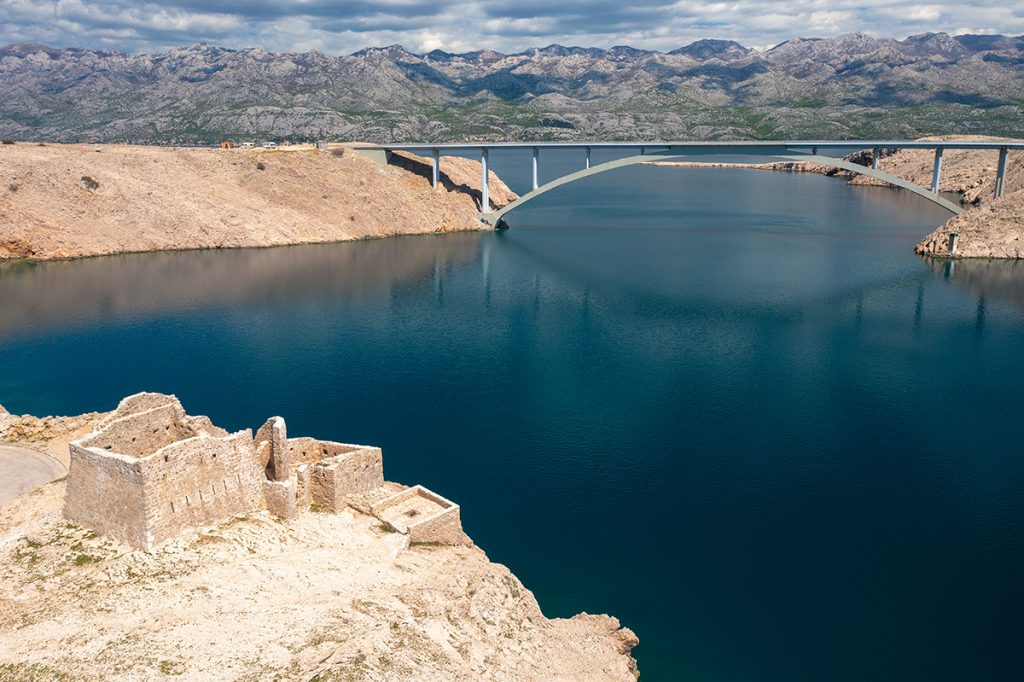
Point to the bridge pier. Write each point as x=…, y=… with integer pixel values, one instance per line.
x=1001, y=171
x=937, y=170
x=796, y=150
x=485, y=185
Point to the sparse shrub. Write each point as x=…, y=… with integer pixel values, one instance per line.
x=90, y=184
x=13, y=187
x=261, y=166
x=171, y=668
x=83, y=559
x=6, y=141
x=338, y=152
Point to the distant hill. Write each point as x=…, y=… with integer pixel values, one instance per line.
x=847, y=86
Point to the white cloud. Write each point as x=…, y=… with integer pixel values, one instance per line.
x=340, y=27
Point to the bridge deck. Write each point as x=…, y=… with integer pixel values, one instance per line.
x=725, y=145
x=810, y=150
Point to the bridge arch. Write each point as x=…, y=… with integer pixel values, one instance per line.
x=497, y=218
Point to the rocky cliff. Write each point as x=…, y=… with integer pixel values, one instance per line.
x=993, y=230
x=989, y=227
x=322, y=596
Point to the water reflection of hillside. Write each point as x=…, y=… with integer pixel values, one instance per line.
x=38, y=296
x=1001, y=280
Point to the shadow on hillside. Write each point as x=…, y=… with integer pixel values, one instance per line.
x=422, y=167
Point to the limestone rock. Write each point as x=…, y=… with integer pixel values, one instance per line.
x=993, y=230
x=327, y=595
x=800, y=89
x=160, y=198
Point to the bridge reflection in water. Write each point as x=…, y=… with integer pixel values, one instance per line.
x=763, y=366
x=135, y=287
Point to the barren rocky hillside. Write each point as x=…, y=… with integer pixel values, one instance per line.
x=845, y=86
x=324, y=596
x=59, y=201
x=993, y=230
x=968, y=172
x=990, y=227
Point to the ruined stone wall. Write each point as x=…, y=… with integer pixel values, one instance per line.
x=142, y=433
x=151, y=472
x=351, y=471
x=199, y=482
x=423, y=515
x=309, y=450
x=445, y=529
x=104, y=493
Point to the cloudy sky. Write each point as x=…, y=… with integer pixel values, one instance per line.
x=343, y=26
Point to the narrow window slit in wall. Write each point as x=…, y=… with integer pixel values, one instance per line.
x=201, y=495
x=173, y=510
x=188, y=502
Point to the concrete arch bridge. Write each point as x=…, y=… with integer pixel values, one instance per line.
x=823, y=152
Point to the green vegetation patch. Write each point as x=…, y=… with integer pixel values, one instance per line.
x=83, y=559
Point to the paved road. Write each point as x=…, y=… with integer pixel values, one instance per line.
x=22, y=469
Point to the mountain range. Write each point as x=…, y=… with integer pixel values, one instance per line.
x=847, y=86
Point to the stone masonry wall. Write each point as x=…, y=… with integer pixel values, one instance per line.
x=352, y=471
x=199, y=482
x=306, y=450
x=444, y=529
x=142, y=433
x=423, y=515
x=152, y=472
x=104, y=493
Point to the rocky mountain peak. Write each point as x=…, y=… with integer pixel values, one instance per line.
x=804, y=87
x=702, y=50
x=933, y=44
x=392, y=52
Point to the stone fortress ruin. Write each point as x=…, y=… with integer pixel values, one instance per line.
x=150, y=472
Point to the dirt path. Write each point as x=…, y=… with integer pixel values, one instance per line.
x=22, y=469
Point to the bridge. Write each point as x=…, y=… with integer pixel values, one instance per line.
x=823, y=152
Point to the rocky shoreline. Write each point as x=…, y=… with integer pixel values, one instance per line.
x=70, y=201
x=329, y=596
x=988, y=228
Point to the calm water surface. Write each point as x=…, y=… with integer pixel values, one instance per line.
x=731, y=408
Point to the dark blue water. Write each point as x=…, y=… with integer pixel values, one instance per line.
x=731, y=408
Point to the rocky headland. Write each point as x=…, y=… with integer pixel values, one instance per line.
x=988, y=227
x=67, y=201
x=327, y=596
